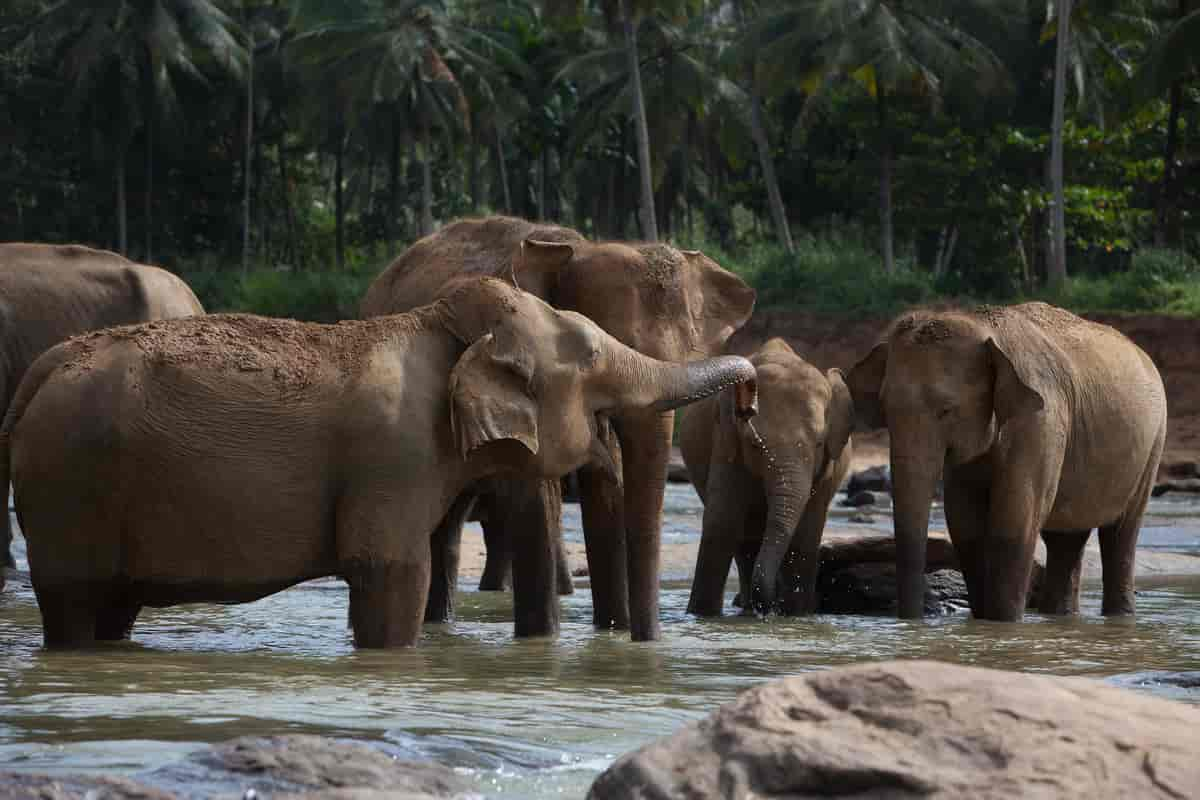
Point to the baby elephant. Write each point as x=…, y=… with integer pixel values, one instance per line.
x=224, y=458
x=767, y=483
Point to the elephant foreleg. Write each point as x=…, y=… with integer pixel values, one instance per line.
x=497, y=568
x=729, y=492
x=445, y=548
x=387, y=602
x=746, y=555
x=1064, y=562
x=534, y=516
x=967, y=508
x=603, y=509
x=68, y=615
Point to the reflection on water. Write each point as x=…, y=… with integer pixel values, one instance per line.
x=528, y=718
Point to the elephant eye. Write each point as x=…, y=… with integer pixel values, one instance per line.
x=945, y=412
x=591, y=358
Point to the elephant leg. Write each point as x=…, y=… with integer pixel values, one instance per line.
x=746, y=555
x=115, y=621
x=497, y=568
x=1064, y=562
x=6, y=534
x=602, y=507
x=730, y=488
x=565, y=583
x=445, y=549
x=534, y=516
x=68, y=615
x=1118, y=543
x=967, y=508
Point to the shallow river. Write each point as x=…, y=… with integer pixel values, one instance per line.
x=524, y=718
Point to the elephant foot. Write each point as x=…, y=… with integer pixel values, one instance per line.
x=387, y=603
x=8, y=562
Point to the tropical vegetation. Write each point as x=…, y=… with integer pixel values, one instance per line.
x=844, y=155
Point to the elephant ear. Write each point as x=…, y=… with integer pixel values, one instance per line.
x=1011, y=396
x=537, y=266
x=865, y=382
x=839, y=416
x=726, y=306
x=491, y=396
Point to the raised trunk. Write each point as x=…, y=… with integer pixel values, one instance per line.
x=914, y=481
x=1057, y=268
x=885, y=183
x=674, y=385
x=787, y=498
x=122, y=209
x=649, y=224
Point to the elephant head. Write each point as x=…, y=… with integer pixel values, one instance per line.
x=534, y=379
x=673, y=305
x=802, y=427
x=943, y=386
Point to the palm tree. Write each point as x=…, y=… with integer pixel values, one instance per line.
x=394, y=56
x=890, y=47
x=1173, y=56
x=129, y=55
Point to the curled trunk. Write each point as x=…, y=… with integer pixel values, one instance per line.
x=788, y=496
x=913, y=481
x=678, y=385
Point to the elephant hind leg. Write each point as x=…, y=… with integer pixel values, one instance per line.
x=387, y=602
x=566, y=583
x=445, y=548
x=1064, y=562
x=1118, y=541
x=69, y=618
x=115, y=622
x=497, y=568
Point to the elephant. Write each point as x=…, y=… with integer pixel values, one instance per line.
x=767, y=484
x=1038, y=421
x=666, y=303
x=224, y=458
x=49, y=293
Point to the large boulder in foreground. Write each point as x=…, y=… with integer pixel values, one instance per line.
x=909, y=728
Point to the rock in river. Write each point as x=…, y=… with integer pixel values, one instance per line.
x=922, y=728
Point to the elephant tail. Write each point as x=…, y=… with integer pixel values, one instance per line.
x=35, y=377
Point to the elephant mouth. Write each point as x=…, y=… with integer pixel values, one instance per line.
x=600, y=452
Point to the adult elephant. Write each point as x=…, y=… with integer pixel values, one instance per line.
x=767, y=483
x=666, y=303
x=49, y=293
x=1040, y=422
x=224, y=458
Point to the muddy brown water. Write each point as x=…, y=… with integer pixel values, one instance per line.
x=529, y=719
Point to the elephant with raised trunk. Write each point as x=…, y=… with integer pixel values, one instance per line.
x=1039, y=422
x=224, y=458
x=49, y=293
x=670, y=304
x=767, y=483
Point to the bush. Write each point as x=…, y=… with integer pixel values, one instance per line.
x=304, y=295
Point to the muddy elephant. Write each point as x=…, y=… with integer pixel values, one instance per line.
x=767, y=483
x=49, y=293
x=1038, y=421
x=224, y=458
x=670, y=304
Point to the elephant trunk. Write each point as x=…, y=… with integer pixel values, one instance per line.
x=664, y=386
x=914, y=480
x=788, y=495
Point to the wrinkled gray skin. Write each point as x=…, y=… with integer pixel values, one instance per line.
x=49, y=293
x=1039, y=421
x=223, y=458
x=767, y=483
x=670, y=304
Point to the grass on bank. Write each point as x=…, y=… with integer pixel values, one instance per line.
x=834, y=274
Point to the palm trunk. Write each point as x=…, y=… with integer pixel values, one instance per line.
x=1057, y=268
x=649, y=224
x=122, y=210
x=1166, y=188
x=394, y=188
x=543, y=160
x=339, y=209
x=502, y=168
x=249, y=161
x=289, y=214
x=149, y=196
x=885, y=183
x=426, y=184
x=473, y=165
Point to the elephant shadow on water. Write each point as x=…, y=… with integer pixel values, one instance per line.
x=240, y=455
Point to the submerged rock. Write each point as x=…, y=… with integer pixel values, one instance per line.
x=858, y=500
x=871, y=479
x=22, y=786
x=870, y=588
x=904, y=728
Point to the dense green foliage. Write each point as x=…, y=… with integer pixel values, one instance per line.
x=331, y=132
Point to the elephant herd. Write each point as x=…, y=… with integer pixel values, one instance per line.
x=161, y=456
